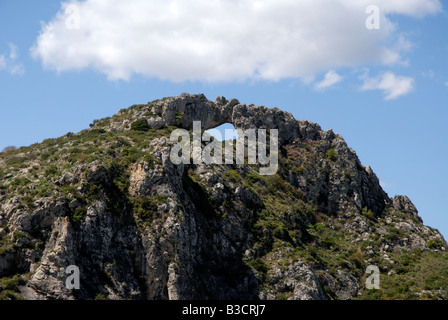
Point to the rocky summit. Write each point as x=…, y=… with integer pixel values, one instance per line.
x=105, y=214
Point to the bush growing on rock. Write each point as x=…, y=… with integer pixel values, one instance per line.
x=140, y=125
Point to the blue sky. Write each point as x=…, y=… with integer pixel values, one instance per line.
x=384, y=90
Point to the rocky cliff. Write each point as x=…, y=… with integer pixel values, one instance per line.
x=110, y=201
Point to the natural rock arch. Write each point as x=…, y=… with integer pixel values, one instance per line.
x=183, y=110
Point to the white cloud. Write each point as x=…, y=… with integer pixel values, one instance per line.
x=210, y=40
x=393, y=86
x=13, y=52
x=414, y=8
x=16, y=69
x=428, y=74
x=330, y=79
x=9, y=62
x=2, y=62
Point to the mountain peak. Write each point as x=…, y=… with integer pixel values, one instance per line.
x=109, y=202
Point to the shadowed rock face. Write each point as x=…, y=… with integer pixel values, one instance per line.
x=140, y=227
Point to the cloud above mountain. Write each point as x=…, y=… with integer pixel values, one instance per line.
x=330, y=79
x=219, y=40
x=392, y=85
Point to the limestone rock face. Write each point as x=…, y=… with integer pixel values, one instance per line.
x=403, y=203
x=182, y=111
x=110, y=201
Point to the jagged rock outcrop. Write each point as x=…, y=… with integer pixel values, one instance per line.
x=110, y=201
x=404, y=204
x=213, y=114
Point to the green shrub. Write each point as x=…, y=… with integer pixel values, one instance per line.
x=45, y=155
x=319, y=226
x=145, y=208
x=6, y=249
x=93, y=193
x=77, y=155
x=331, y=155
x=283, y=295
x=357, y=258
x=131, y=155
x=44, y=189
x=160, y=198
x=19, y=235
x=275, y=183
x=20, y=182
x=12, y=283
x=281, y=232
x=368, y=213
x=79, y=214
x=297, y=170
x=91, y=135
x=434, y=243
x=122, y=182
x=137, y=107
x=394, y=234
x=140, y=125
x=401, y=269
x=139, y=138
x=432, y=282
x=179, y=116
x=194, y=176
x=101, y=296
x=232, y=176
x=16, y=161
x=124, y=142
x=259, y=265
x=252, y=178
x=51, y=170
x=328, y=241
